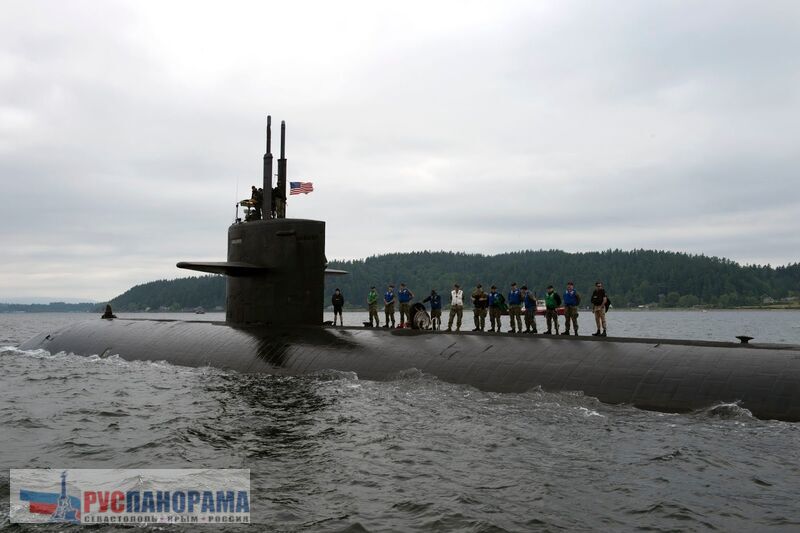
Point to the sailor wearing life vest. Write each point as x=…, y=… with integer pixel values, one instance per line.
x=496, y=305
x=372, y=303
x=571, y=302
x=388, y=306
x=405, y=296
x=529, y=300
x=436, y=309
x=456, y=307
x=552, y=302
x=515, y=308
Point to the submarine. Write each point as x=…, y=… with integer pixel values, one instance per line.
x=275, y=273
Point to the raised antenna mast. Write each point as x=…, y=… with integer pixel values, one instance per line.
x=281, y=205
x=268, y=201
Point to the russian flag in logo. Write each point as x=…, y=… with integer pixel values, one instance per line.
x=47, y=502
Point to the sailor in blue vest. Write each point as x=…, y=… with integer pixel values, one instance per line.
x=529, y=301
x=571, y=302
x=496, y=305
x=388, y=306
x=436, y=309
x=515, y=308
x=405, y=296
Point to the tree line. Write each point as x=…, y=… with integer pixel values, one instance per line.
x=53, y=307
x=179, y=294
x=632, y=278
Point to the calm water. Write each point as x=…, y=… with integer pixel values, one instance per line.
x=333, y=452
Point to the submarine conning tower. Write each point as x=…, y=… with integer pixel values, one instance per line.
x=276, y=266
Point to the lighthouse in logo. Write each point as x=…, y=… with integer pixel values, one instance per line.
x=64, y=512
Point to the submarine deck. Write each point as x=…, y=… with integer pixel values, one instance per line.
x=410, y=332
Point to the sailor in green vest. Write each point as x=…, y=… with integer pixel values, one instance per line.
x=372, y=302
x=552, y=302
x=497, y=304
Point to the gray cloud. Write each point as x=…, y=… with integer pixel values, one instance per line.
x=124, y=128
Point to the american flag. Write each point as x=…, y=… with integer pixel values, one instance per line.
x=300, y=187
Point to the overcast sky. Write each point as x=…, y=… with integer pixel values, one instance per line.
x=471, y=126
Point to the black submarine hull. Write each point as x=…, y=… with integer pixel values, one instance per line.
x=653, y=374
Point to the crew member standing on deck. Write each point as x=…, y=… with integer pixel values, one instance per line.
x=372, y=303
x=600, y=304
x=436, y=309
x=515, y=308
x=480, y=305
x=405, y=296
x=496, y=305
x=388, y=305
x=338, y=302
x=552, y=301
x=456, y=307
x=571, y=302
x=529, y=301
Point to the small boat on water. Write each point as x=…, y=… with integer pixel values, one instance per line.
x=199, y=311
x=541, y=309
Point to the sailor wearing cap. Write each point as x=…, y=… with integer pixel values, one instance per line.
x=372, y=302
x=436, y=309
x=515, y=308
x=480, y=304
x=404, y=295
x=496, y=305
x=388, y=305
x=529, y=301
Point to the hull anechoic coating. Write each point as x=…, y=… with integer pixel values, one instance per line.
x=656, y=374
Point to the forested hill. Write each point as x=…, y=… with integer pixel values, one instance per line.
x=176, y=294
x=631, y=278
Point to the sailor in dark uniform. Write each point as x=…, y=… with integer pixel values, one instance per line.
x=338, y=302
